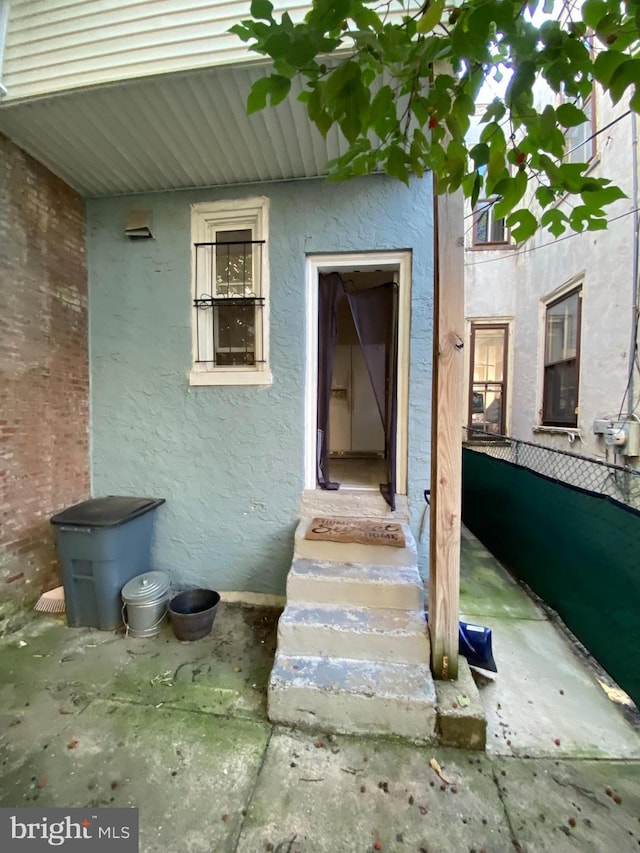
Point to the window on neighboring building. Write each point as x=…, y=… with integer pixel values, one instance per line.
x=581, y=140
x=488, y=386
x=562, y=360
x=487, y=230
x=230, y=292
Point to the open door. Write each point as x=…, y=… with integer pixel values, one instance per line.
x=357, y=409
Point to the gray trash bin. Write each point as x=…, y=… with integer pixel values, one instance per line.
x=102, y=543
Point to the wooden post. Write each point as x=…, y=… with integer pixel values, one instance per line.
x=446, y=434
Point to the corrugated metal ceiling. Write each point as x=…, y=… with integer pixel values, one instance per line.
x=170, y=132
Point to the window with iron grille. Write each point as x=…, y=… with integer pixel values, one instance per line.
x=230, y=293
x=562, y=360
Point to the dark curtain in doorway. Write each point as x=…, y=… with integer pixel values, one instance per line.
x=330, y=293
x=375, y=315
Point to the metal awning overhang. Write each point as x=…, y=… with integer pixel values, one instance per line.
x=170, y=132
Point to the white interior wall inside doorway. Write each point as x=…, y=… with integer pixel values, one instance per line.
x=398, y=263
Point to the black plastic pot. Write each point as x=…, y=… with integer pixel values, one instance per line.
x=192, y=613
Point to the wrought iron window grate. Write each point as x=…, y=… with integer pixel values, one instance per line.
x=229, y=303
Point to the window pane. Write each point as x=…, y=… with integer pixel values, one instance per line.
x=488, y=358
x=562, y=330
x=235, y=329
x=488, y=229
x=482, y=227
x=486, y=414
x=497, y=230
x=234, y=267
x=561, y=393
x=579, y=145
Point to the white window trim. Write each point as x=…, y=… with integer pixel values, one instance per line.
x=233, y=213
x=398, y=261
x=576, y=281
x=508, y=321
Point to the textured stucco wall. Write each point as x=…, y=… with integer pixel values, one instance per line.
x=229, y=460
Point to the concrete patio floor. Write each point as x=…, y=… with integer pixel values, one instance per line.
x=179, y=730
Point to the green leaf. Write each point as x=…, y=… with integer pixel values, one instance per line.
x=593, y=11
x=241, y=31
x=257, y=99
x=275, y=86
x=262, y=10
x=341, y=77
x=570, y=116
x=511, y=190
x=605, y=65
x=456, y=162
x=521, y=82
x=582, y=217
x=382, y=106
x=554, y=221
x=396, y=166
x=495, y=111
x=545, y=196
x=301, y=50
x=480, y=154
x=431, y=17
x=477, y=186
x=598, y=198
x=624, y=75
x=523, y=225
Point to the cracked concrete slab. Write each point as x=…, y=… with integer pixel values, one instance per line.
x=543, y=702
x=93, y=718
x=564, y=806
x=349, y=794
x=189, y=774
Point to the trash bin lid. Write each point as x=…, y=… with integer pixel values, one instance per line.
x=146, y=588
x=105, y=512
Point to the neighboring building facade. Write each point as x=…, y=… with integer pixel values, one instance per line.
x=44, y=365
x=209, y=235
x=552, y=324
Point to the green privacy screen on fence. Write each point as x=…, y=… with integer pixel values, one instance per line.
x=579, y=551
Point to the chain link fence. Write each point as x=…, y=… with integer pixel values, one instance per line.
x=593, y=475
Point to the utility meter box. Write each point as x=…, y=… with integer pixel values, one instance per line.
x=624, y=437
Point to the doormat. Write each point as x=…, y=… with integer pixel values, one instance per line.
x=357, y=530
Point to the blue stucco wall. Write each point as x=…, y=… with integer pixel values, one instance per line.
x=229, y=459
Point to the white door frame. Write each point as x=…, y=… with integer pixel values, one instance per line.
x=396, y=261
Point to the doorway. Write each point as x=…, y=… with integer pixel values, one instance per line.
x=357, y=372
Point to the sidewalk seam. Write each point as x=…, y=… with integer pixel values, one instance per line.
x=516, y=844
x=253, y=788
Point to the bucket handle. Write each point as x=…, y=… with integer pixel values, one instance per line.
x=151, y=627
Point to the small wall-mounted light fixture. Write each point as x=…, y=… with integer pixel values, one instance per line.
x=138, y=225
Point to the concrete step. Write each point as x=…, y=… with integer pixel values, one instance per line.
x=355, y=584
x=361, y=633
x=461, y=720
x=353, y=503
x=352, y=696
x=350, y=552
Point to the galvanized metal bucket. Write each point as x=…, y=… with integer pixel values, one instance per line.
x=145, y=600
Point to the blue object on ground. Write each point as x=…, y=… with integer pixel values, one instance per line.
x=474, y=643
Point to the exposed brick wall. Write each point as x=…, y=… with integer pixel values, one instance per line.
x=44, y=376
